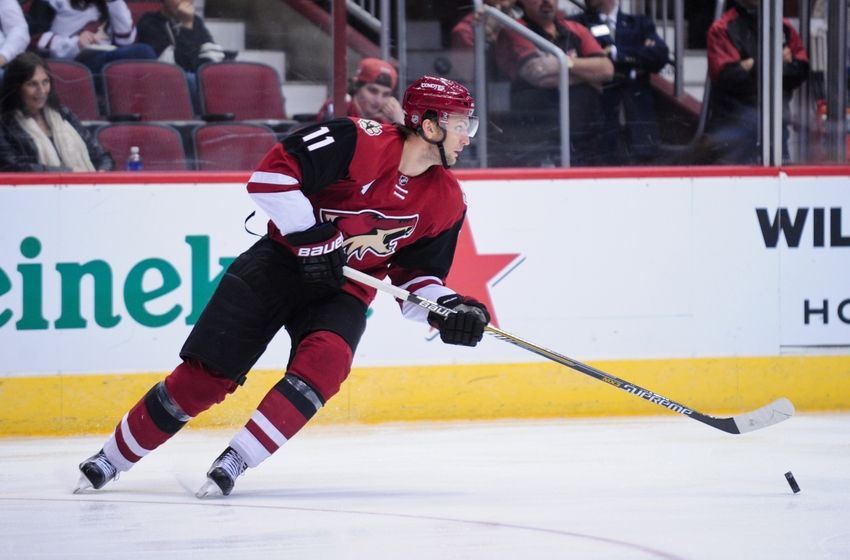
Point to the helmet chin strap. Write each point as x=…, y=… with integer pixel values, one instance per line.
x=438, y=143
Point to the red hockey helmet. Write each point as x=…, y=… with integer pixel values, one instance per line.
x=444, y=97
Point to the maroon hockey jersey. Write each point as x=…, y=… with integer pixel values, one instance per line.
x=346, y=171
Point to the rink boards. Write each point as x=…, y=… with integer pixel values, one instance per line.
x=721, y=291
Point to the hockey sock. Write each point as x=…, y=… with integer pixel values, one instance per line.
x=321, y=363
x=163, y=411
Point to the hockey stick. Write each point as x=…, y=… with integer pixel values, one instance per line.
x=773, y=413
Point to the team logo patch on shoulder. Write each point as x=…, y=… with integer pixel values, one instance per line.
x=370, y=127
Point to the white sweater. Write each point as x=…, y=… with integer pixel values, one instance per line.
x=62, y=41
x=14, y=33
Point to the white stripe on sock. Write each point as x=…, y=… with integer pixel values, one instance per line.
x=110, y=449
x=249, y=447
x=130, y=440
x=267, y=427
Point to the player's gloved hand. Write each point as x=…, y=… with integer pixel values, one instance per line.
x=320, y=254
x=466, y=325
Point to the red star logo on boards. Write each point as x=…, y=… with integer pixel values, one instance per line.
x=473, y=274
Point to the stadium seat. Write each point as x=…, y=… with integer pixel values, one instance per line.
x=245, y=91
x=74, y=84
x=146, y=90
x=160, y=145
x=231, y=146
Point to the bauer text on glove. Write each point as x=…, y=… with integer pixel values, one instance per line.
x=320, y=254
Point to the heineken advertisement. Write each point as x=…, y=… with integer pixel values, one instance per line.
x=104, y=284
x=110, y=278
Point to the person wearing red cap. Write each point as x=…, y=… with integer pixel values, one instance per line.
x=375, y=197
x=370, y=95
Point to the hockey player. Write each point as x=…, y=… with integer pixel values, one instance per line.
x=378, y=198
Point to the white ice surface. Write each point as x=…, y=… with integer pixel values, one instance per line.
x=587, y=489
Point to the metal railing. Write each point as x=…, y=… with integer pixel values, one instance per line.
x=542, y=44
x=706, y=90
x=369, y=13
x=365, y=11
x=836, y=80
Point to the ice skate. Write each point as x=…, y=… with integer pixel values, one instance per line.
x=95, y=471
x=223, y=474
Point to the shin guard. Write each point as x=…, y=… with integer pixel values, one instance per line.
x=321, y=363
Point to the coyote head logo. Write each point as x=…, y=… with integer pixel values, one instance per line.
x=369, y=231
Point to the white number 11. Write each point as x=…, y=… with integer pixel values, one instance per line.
x=321, y=143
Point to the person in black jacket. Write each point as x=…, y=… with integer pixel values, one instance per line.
x=178, y=35
x=637, y=51
x=733, y=62
x=38, y=134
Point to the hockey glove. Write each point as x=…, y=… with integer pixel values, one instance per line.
x=466, y=325
x=320, y=254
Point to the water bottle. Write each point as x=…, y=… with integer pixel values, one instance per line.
x=134, y=162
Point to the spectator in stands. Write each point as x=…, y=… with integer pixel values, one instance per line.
x=733, y=67
x=534, y=89
x=371, y=94
x=463, y=38
x=38, y=134
x=637, y=51
x=93, y=32
x=463, y=34
x=14, y=34
x=179, y=36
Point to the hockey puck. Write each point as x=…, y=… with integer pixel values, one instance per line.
x=791, y=482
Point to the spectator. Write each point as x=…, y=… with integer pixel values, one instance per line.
x=14, y=34
x=179, y=36
x=733, y=67
x=463, y=34
x=534, y=88
x=370, y=95
x=637, y=52
x=93, y=32
x=463, y=38
x=37, y=133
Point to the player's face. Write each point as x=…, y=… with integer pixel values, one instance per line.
x=34, y=91
x=371, y=99
x=459, y=130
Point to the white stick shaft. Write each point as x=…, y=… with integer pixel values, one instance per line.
x=395, y=291
x=372, y=282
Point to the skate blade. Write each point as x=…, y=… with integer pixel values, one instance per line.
x=82, y=484
x=209, y=490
